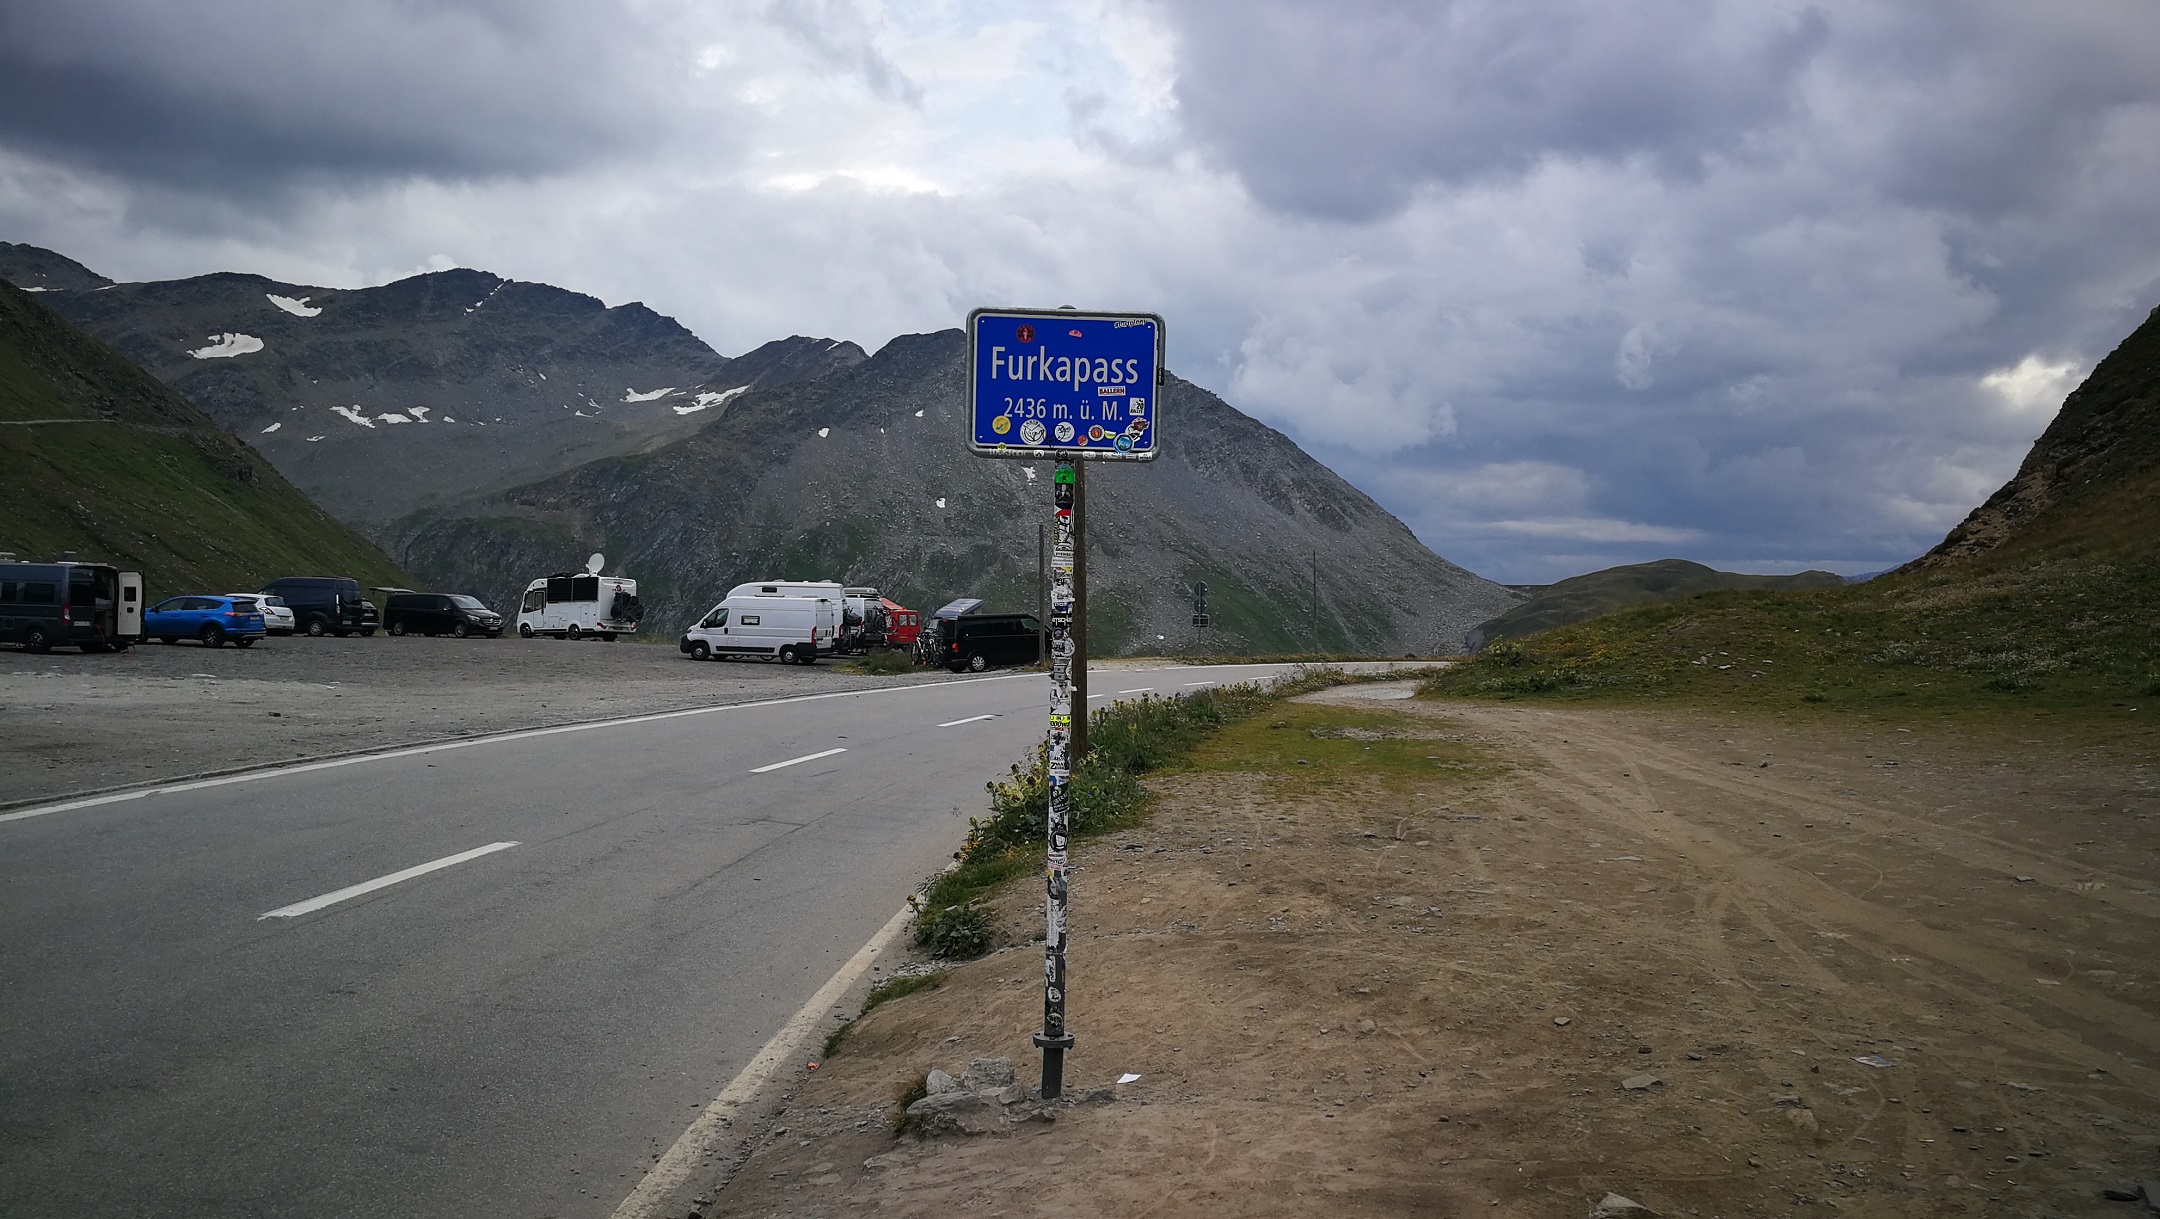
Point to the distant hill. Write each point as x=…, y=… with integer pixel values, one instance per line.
x=99, y=457
x=2046, y=596
x=379, y=401
x=1616, y=588
x=863, y=476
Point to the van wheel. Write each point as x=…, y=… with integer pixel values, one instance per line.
x=607, y=636
x=316, y=628
x=787, y=656
x=977, y=663
x=699, y=651
x=573, y=632
x=397, y=628
x=459, y=630
x=212, y=637
x=524, y=630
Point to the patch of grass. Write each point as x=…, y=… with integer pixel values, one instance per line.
x=2052, y=632
x=899, y=988
x=881, y=663
x=908, y=1095
x=1323, y=746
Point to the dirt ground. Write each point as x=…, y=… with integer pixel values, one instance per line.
x=1881, y=969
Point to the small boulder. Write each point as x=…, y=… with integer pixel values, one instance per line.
x=950, y=1113
x=939, y=1083
x=988, y=1074
x=1640, y=1083
x=1616, y=1206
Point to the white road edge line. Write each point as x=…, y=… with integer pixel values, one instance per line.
x=272, y=772
x=808, y=757
x=382, y=882
x=969, y=720
x=1203, y=683
x=1141, y=690
x=706, y=1134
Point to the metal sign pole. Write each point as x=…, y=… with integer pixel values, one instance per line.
x=1054, y=1039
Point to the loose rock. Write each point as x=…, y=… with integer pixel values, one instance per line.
x=1617, y=1206
x=1640, y=1083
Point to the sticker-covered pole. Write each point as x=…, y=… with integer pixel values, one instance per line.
x=1064, y=652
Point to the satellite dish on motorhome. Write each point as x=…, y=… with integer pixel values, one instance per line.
x=595, y=563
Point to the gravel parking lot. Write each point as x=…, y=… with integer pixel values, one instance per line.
x=71, y=723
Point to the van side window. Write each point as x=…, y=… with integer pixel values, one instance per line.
x=717, y=618
x=37, y=592
x=585, y=588
x=751, y=619
x=535, y=600
x=7, y=590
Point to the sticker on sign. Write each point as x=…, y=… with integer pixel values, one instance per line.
x=1061, y=383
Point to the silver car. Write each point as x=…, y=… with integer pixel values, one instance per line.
x=277, y=616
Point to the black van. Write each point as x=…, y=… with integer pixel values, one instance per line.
x=48, y=605
x=981, y=641
x=440, y=614
x=323, y=605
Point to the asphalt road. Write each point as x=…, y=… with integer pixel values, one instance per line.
x=187, y=1027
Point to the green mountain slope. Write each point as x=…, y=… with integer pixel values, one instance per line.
x=98, y=457
x=1580, y=598
x=2048, y=595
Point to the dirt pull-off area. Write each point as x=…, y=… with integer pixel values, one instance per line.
x=1381, y=957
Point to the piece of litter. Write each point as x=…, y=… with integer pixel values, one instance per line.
x=1873, y=1060
x=1128, y=1079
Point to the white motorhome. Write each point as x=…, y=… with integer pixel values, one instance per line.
x=793, y=630
x=571, y=605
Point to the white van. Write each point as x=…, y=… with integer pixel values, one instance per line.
x=572, y=606
x=795, y=630
x=827, y=589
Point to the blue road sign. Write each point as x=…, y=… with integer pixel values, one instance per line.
x=1059, y=383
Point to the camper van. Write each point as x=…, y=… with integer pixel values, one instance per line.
x=793, y=630
x=572, y=605
x=49, y=605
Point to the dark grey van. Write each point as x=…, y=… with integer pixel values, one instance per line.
x=49, y=605
x=440, y=614
x=323, y=605
x=983, y=641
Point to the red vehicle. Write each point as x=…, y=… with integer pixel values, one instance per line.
x=903, y=626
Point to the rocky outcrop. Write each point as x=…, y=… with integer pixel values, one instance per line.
x=2107, y=432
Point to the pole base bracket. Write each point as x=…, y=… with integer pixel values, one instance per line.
x=1062, y=1042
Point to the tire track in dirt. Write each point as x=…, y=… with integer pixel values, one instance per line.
x=1803, y=899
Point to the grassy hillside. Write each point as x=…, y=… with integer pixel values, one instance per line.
x=1581, y=598
x=98, y=457
x=2048, y=596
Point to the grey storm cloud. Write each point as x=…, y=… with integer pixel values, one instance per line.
x=227, y=95
x=1342, y=109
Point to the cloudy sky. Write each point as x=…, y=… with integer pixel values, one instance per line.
x=1563, y=284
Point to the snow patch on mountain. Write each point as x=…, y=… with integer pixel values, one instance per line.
x=420, y=413
x=392, y=417
x=223, y=345
x=710, y=398
x=631, y=395
x=297, y=307
x=354, y=415
x=273, y=427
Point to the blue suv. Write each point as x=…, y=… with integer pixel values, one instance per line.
x=210, y=619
